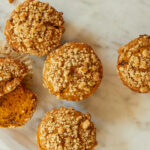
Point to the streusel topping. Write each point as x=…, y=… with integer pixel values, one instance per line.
x=34, y=28
x=134, y=64
x=12, y=73
x=66, y=129
x=72, y=70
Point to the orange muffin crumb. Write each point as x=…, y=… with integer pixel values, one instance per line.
x=17, y=107
x=66, y=128
x=10, y=1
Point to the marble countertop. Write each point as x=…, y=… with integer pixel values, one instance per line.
x=122, y=117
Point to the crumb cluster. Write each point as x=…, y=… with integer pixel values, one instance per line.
x=12, y=73
x=34, y=28
x=66, y=129
x=134, y=64
x=10, y=1
x=73, y=71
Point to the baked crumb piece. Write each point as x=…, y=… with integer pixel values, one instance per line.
x=10, y=1
x=134, y=64
x=34, y=28
x=12, y=72
x=73, y=71
x=66, y=129
x=17, y=107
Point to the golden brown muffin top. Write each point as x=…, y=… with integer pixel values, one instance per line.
x=34, y=28
x=66, y=129
x=134, y=64
x=12, y=73
x=73, y=71
x=17, y=107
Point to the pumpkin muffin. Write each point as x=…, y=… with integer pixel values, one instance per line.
x=17, y=107
x=12, y=72
x=66, y=129
x=72, y=72
x=34, y=28
x=134, y=64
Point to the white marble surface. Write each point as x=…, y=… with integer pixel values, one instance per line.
x=122, y=117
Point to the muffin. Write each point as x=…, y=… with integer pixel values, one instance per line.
x=12, y=72
x=66, y=129
x=34, y=28
x=72, y=72
x=134, y=64
x=17, y=67
x=17, y=107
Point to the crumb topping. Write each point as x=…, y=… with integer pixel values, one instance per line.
x=73, y=69
x=34, y=27
x=12, y=73
x=67, y=129
x=134, y=63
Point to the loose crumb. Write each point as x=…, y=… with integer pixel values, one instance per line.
x=10, y=1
